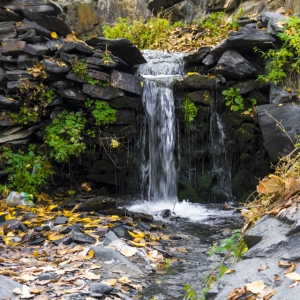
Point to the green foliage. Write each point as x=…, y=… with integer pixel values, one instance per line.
x=233, y=99
x=25, y=116
x=27, y=171
x=253, y=102
x=143, y=34
x=285, y=59
x=190, y=293
x=214, y=24
x=64, y=136
x=234, y=24
x=190, y=111
x=47, y=96
x=101, y=111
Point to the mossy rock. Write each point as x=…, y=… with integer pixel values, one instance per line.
x=195, y=82
x=202, y=97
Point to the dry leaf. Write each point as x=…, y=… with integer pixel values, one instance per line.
x=267, y=293
x=294, y=276
x=276, y=277
x=236, y=293
x=294, y=284
x=124, y=280
x=270, y=186
x=291, y=183
x=229, y=271
x=255, y=287
x=182, y=250
x=128, y=251
x=111, y=282
x=89, y=275
x=265, y=266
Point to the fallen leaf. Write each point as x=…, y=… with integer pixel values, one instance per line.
x=229, y=271
x=294, y=284
x=54, y=35
x=294, y=276
x=89, y=275
x=266, y=293
x=265, y=266
x=255, y=287
x=124, y=279
x=111, y=282
x=128, y=251
x=269, y=186
x=236, y=293
x=182, y=250
x=276, y=277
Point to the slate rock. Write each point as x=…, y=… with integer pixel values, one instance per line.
x=32, y=27
x=263, y=241
x=30, y=37
x=64, y=241
x=6, y=102
x=7, y=30
x=142, y=216
x=7, y=286
x=295, y=228
x=37, y=241
x=6, y=15
x=54, y=67
x=233, y=65
x=126, y=82
x=26, y=61
x=36, y=49
x=69, y=228
x=125, y=117
x=273, y=22
x=105, y=254
x=292, y=247
x=80, y=237
x=68, y=58
x=60, y=220
x=52, y=23
x=121, y=231
x=100, y=92
x=99, y=75
x=73, y=47
x=197, y=57
x=276, y=142
x=249, y=85
x=2, y=74
x=17, y=75
x=47, y=276
x=98, y=289
x=99, y=62
x=195, y=82
x=72, y=94
x=16, y=136
x=42, y=228
x=291, y=215
x=122, y=48
x=71, y=76
x=127, y=102
x=109, y=238
x=278, y=94
x=12, y=47
x=97, y=203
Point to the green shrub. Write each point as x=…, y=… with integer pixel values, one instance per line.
x=27, y=171
x=233, y=99
x=190, y=111
x=64, y=136
x=286, y=59
x=25, y=116
x=143, y=34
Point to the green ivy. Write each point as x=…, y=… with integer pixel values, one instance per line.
x=286, y=59
x=64, y=136
x=27, y=171
x=233, y=99
x=190, y=111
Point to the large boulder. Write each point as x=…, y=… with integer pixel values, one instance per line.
x=279, y=140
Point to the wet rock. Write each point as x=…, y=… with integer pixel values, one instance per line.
x=99, y=75
x=80, y=237
x=197, y=57
x=73, y=47
x=249, y=85
x=122, y=48
x=273, y=22
x=54, y=67
x=126, y=102
x=17, y=75
x=72, y=94
x=276, y=142
x=7, y=102
x=50, y=22
x=6, y=15
x=141, y=216
x=98, y=289
x=101, y=92
x=7, y=30
x=125, y=117
x=126, y=82
x=165, y=213
x=12, y=47
x=37, y=241
x=6, y=287
x=195, y=81
x=202, y=97
x=97, y=203
x=60, y=220
x=26, y=61
x=36, y=49
x=31, y=29
x=233, y=65
x=17, y=136
x=105, y=254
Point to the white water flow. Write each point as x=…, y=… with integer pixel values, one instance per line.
x=159, y=173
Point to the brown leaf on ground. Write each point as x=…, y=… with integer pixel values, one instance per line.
x=255, y=287
x=265, y=266
x=276, y=277
x=294, y=276
x=291, y=183
x=236, y=293
x=266, y=293
x=269, y=186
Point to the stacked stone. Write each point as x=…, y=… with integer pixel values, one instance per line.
x=38, y=46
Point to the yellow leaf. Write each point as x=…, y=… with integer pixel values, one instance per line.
x=142, y=83
x=255, y=287
x=111, y=282
x=8, y=217
x=86, y=186
x=280, y=104
x=124, y=280
x=137, y=244
x=270, y=186
x=35, y=254
x=137, y=234
x=54, y=35
x=114, y=144
x=91, y=253
x=182, y=250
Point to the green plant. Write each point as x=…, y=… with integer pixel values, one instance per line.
x=190, y=111
x=233, y=99
x=253, y=102
x=27, y=171
x=143, y=34
x=101, y=111
x=190, y=293
x=25, y=116
x=234, y=24
x=64, y=136
x=167, y=263
x=286, y=59
x=47, y=96
x=214, y=24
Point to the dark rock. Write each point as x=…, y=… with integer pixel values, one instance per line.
x=263, y=241
x=7, y=286
x=16, y=136
x=109, y=238
x=32, y=27
x=12, y=130
x=64, y=241
x=54, y=67
x=158, y=5
x=101, y=232
x=50, y=22
x=54, y=45
x=196, y=58
x=165, y=213
x=8, y=102
x=14, y=86
x=72, y=76
x=272, y=21
x=99, y=75
x=9, y=66
x=7, y=30
x=144, y=226
x=36, y=49
x=277, y=142
x=103, y=166
x=278, y=94
x=104, y=254
x=12, y=225
x=249, y=85
x=295, y=228
x=96, y=61
x=126, y=102
x=60, y=220
x=6, y=15
x=17, y=75
x=37, y=241
x=233, y=65
x=143, y=217
x=26, y=61
x=98, y=289
x=122, y=232
x=113, y=211
x=12, y=47
x=42, y=228
x=125, y=117
x=73, y=47
x=72, y=94
x=69, y=228
x=292, y=246
x=122, y=48
x=101, y=92
x=97, y=203
x=80, y=237
x=243, y=41
x=202, y=97
x=126, y=82
x=2, y=74
x=8, y=59
x=68, y=58
x=60, y=85
x=195, y=82
x=291, y=215
x=30, y=37
x=47, y=276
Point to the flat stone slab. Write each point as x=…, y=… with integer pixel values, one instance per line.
x=6, y=287
x=17, y=136
x=12, y=47
x=36, y=49
x=126, y=82
x=101, y=92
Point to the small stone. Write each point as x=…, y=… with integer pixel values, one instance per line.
x=79, y=282
x=97, y=289
x=26, y=61
x=51, y=66
x=37, y=241
x=61, y=220
x=12, y=47
x=80, y=237
x=36, y=49
x=42, y=228
x=47, y=276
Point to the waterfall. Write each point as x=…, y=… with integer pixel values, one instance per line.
x=159, y=171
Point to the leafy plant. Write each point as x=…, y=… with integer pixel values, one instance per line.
x=101, y=111
x=190, y=293
x=214, y=24
x=233, y=99
x=286, y=59
x=64, y=136
x=253, y=102
x=143, y=34
x=47, y=96
x=190, y=111
x=234, y=24
x=25, y=116
x=27, y=171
